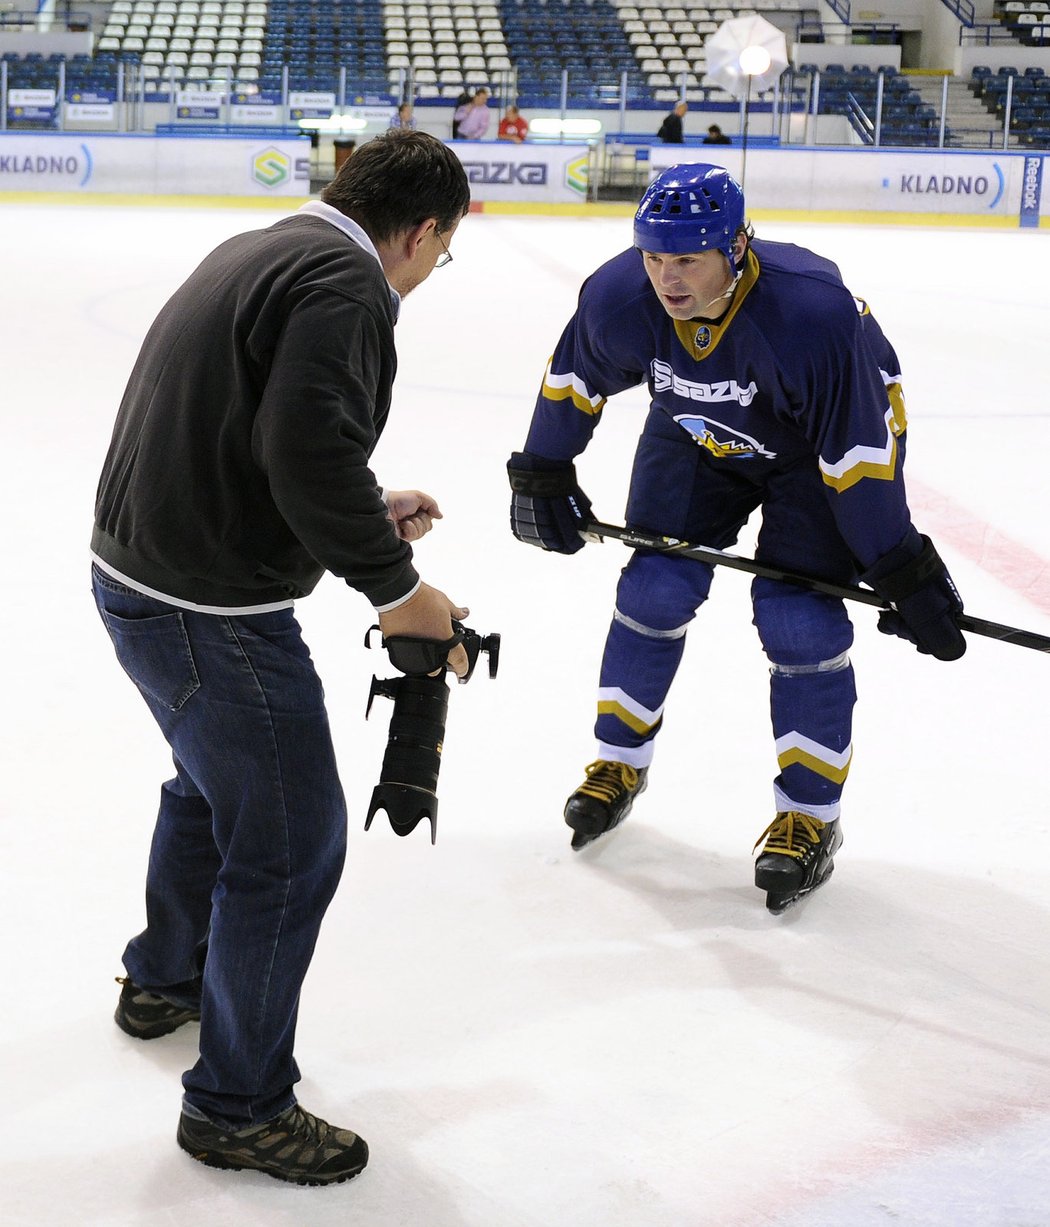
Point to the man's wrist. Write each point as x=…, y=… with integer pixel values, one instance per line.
x=401, y=600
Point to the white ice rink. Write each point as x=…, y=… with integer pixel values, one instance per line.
x=529, y=1037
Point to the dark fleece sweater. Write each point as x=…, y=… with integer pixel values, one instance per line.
x=238, y=470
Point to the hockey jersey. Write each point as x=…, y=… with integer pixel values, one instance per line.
x=797, y=367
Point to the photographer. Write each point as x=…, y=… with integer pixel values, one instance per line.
x=237, y=475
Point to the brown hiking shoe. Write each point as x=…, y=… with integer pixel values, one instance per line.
x=295, y=1146
x=145, y=1015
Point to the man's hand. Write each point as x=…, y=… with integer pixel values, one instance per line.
x=412, y=513
x=428, y=614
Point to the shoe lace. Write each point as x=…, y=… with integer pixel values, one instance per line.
x=305, y=1126
x=791, y=834
x=607, y=780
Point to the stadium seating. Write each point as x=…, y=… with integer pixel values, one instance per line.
x=434, y=49
x=588, y=42
x=1028, y=21
x=905, y=119
x=1029, y=94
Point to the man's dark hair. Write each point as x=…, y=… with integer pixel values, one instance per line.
x=398, y=180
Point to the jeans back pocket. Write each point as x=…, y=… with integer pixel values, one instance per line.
x=155, y=653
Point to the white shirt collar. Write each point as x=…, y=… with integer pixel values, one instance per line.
x=350, y=228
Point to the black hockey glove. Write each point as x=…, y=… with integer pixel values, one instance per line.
x=915, y=579
x=547, y=507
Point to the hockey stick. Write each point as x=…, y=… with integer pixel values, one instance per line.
x=846, y=592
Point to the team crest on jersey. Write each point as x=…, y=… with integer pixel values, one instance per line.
x=703, y=337
x=721, y=440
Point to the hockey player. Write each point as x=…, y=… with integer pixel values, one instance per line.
x=772, y=387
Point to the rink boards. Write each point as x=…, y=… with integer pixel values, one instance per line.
x=902, y=185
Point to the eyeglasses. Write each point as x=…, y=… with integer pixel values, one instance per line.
x=446, y=256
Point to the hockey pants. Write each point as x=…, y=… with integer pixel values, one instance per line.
x=806, y=636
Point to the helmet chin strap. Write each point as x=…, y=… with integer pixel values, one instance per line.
x=727, y=293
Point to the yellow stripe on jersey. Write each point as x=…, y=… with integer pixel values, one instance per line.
x=570, y=387
x=795, y=748
x=612, y=701
x=896, y=394
x=860, y=461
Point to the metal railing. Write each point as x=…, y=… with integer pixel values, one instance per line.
x=963, y=9
x=877, y=109
x=13, y=20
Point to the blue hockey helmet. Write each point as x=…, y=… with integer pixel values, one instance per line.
x=691, y=207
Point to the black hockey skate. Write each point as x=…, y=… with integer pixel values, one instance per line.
x=796, y=859
x=603, y=800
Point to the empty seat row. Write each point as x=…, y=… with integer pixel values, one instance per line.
x=188, y=6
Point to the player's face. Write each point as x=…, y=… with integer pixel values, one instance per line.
x=689, y=285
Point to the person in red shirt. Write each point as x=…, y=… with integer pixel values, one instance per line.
x=512, y=127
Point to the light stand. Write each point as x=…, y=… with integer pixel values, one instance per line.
x=745, y=54
x=754, y=62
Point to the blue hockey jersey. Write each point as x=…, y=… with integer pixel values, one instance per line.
x=797, y=367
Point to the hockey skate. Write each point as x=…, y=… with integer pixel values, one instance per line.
x=603, y=800
x=796, y=859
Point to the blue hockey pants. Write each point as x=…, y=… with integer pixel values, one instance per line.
x=677, y=490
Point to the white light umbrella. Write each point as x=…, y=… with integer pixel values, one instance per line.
x=745, y=53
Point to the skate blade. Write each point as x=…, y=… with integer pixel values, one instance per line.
x=583, y=838
x=777, y=904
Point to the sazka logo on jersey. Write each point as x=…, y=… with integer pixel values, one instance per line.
x=733, y=445
x=703, y=337
x=664, y=379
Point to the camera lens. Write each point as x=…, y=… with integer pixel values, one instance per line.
x=417, y=729
x=407, y=787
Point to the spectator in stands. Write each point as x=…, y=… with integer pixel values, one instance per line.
x=715, y=136
x=237, y=475
x=459, y=104
x=671, y=129
x=403, y=118
x=472, y=117
x=513, y=127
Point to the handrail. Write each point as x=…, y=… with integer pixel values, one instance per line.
x=963, y=9
x=844, y=29
x=986, y=33
x=859, y=121
x=31, y=18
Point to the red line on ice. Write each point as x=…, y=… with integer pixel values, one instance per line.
x=1021, y=569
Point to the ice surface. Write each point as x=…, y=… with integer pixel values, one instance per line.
x=528, y=1037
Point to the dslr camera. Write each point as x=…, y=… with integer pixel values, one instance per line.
x=407, y=788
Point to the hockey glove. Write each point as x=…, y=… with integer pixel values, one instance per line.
x=926, y=601
x=547, y=507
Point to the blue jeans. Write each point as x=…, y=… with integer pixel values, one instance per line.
x=250, y=838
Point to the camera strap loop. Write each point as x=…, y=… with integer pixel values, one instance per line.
x=417, y=657
x=420, y=657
